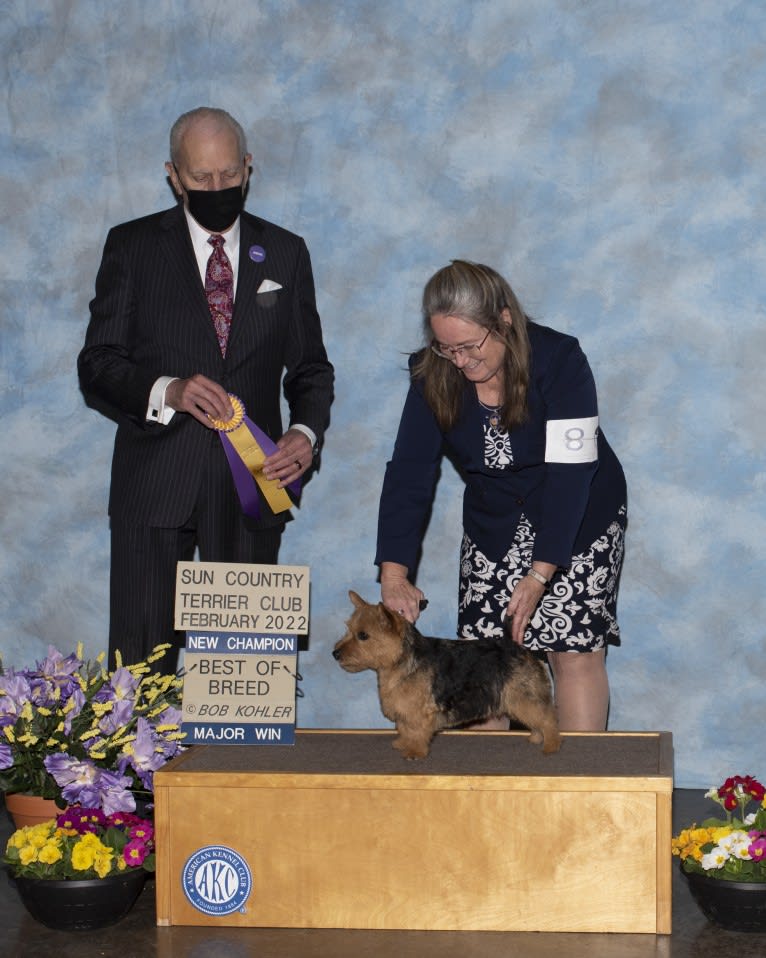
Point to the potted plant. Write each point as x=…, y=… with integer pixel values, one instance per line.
x=73, y=732
x=724, y=858
x=82, y=870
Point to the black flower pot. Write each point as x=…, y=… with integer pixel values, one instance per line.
x=73, y=905
x=736, y=906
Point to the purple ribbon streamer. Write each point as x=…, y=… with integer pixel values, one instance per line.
x=246, y=486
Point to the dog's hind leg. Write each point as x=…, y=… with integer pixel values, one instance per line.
x=540, y=719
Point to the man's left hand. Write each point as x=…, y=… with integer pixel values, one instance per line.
x=292, y=458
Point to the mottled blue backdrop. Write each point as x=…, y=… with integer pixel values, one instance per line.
x=607, y=157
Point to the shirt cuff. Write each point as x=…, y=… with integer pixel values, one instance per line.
x=157, y=411
x=308, y=433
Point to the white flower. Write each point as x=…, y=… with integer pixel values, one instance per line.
x=717, y=858
x=735, y=842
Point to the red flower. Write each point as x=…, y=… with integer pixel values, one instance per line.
x=753, y=788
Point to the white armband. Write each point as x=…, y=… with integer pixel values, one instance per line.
x=571, y=440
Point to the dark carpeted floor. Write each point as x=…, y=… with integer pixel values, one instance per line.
x=138, y=937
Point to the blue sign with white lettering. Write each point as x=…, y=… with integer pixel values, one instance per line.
x=217, y=880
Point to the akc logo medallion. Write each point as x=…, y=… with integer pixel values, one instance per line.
x=216, y=880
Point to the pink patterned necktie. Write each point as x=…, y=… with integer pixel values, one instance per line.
x=219, y=289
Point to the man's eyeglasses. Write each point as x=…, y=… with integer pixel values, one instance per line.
x=469, y=351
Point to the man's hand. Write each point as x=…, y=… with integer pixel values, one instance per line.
x=199, y=397
x=292, y=458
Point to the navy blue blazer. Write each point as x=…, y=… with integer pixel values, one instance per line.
x=150, y=318
x=564, y=476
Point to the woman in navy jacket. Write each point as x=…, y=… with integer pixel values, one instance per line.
x=514, y=405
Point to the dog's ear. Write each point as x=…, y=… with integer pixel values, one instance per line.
x=357, y=600
x=389, y=619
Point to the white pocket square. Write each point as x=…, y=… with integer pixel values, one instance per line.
x=268, y=286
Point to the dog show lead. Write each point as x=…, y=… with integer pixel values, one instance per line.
x=513, y=404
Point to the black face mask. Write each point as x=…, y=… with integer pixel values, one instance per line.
x=215, y=210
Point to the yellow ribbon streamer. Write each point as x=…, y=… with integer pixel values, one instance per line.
x=250, y=452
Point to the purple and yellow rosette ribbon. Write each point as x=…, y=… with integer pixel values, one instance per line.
x=246, y=447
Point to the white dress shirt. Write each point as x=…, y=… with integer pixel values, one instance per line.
x=157, y=410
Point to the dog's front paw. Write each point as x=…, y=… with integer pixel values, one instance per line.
x=409, y=749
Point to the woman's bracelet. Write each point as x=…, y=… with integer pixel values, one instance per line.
x=538, y=577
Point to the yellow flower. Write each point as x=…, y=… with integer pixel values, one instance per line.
x=28, y=854
x=102, y=864
x=83, y=856
x=92, y=841
x=38, y=836
x=90, y=733
x=50, y=853
x=716, y=834
x=158, y=651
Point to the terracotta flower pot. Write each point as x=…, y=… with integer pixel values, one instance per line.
x=73, y=905
x=27, y=809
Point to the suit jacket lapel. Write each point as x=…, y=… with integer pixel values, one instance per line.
x=249, y=276
x=176, y=245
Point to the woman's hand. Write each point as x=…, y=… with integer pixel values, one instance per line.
x=398, y=593
x=525, y=598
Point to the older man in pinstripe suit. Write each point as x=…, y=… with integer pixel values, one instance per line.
x=153, y=362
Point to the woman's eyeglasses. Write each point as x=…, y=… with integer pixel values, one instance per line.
x=469, y=351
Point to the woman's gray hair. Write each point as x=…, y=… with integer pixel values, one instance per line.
x=179, y=128
x=471, y=291
x=479, y=294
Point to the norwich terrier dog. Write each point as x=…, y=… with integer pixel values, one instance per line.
x=427, y=684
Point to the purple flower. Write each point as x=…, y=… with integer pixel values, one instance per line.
x=54, y=672
x=115, y=794
x=82, y=783
x=17, y=691
x=145, y=755
x=77, y=698
x=56, y=666
x=76, y=778
x=118, y=718
x=82, y=820
x=6, y=756
x=121, y=686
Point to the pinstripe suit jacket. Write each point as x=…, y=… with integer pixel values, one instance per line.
x=150, y=318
